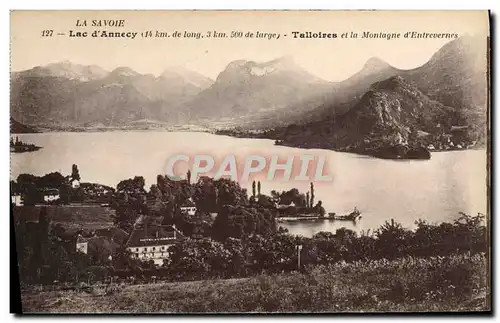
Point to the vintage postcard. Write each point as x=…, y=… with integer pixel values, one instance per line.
x=250, y=161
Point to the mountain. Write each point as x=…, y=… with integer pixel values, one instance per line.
x=67, y=70
x=267, y=95
x=447, y=93
x=334, y=100
x=39, y=100
x=66, y=94
x=17, y=127
x=181, y=75
x=246, y=88
x=386, y=115
x=456, y=75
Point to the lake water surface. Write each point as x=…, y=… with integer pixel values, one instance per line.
x=434, y=190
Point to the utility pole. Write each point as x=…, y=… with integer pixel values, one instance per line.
x=299, y=248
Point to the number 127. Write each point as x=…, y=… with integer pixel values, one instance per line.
x=47, y=33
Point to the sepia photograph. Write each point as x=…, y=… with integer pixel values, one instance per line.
x=185, y=162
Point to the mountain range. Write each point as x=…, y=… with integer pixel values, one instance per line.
x=444, y=101
x=449, y=90
x=62, y=94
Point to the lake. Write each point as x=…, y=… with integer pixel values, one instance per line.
x=434, y=190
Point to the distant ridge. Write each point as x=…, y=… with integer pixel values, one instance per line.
x=250, y=94
x=17, y=127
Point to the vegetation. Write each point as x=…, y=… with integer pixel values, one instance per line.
x=243, y=240
x=453, y=283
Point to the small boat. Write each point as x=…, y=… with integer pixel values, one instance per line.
x=353, y=216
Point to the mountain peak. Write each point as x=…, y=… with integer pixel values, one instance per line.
x=392, y=83
x=69, y=70
x=181, y=73
x=124, y=71
x=374, y=64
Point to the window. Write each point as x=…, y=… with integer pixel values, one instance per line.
x=154, y=248
x=136, y=249
x=163, y=248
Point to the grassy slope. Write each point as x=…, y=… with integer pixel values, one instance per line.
x=86, y=217
x=455, y=283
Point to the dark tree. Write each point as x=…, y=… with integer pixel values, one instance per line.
x=75, y=174
x=307, y=200
x=132, y=185
x=320, y=209
x=253, y=189
x=258, y=188
x=51, y=180
x=312, y=194
x=189, y=176
x=293, y=195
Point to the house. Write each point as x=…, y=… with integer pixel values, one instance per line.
x=188, y=207
x=284, y=206
x=82, y=244
x=17, y=199
x=75, y=183
x=51, y=195
x=152, y=242
x=97, y=247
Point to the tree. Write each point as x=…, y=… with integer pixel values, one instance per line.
x=307, y=200
x=189, y=176
x=258, y=188
x=51, y=180
x=293, y=195
x=320, y=209
x=75, y=174
x=253, y=189
x=312, y=194
x=275, y=196
x=132, y=185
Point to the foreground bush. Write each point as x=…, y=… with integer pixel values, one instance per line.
x=454, y=283
x=44, y=259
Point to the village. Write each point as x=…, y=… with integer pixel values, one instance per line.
x=144, y=223
x=98, y=242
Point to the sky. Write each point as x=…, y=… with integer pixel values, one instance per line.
x=330, y=59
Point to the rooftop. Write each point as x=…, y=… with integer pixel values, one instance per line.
x=153, y=236
x=188, y=203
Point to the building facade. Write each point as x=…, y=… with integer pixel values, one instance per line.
x=188, y=207
x=17, y=200
x=152, y=243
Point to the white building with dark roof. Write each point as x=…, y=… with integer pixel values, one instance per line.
x=51, y=195
x=17, y=199
x=188, y=207
x=152, y=242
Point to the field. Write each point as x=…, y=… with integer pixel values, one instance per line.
x=69, y=216
x=455, y=283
